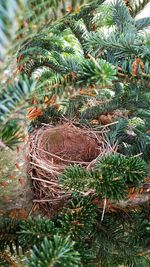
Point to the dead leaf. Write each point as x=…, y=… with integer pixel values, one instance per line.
x=33, y=113
x=135, y=66
x=18, y=214
x=49, y=101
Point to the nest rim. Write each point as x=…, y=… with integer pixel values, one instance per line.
x=47, y=190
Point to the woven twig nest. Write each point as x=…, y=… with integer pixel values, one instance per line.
x=51, y=150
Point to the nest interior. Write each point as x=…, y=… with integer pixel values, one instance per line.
x=51, y=150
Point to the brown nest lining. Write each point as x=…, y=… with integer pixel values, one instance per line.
x=51, y=150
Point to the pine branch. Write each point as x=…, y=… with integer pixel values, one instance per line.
x=31, y=66
x=87, y=13
x=116, y=134
x=98, y=72
x=140, y=24
x=131, y=169
x=8, y=22
x=13, y=97
x=135, y=6
x=41, y=52
x=8, y=235
x=70, y=178
x=79, y=30
x=136, y=144
x=110, y=178
x=74, y=218
x=121, y=15
x=57, y=252
x=116, y=241
x=97, y=110
x=89, y=8
x=11, y=134
x=34, y=230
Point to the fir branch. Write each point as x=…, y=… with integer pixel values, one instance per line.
x=121, y=15
x=13, y=97
x=34, y=230
x=117, y=167
x=57, y=251
x=98, y=72
x=11, y=134
x=79, y=30
x=31, y=66
x=136, y=6
x=8, y=234
x=117, y=132
x=76, y=178
x=97, y=110
x=143, y=23
x=110, y=177
x=117, y=241
x=8, y=19
x=74, y=218
x=136, y=144
x=89, y=8
x=87, y=13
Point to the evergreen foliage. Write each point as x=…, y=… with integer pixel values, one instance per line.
x=34, y=230
x=90, y=66
x=110, y=177
x=136, y=6
x=74, y=218
x=57, y=252
x=123, y=236
x=14, y=96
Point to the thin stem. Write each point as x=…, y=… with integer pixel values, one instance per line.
x=104, y=208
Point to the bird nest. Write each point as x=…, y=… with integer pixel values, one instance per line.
x=54, y=148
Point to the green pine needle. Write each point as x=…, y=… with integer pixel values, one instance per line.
x=56, y=252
